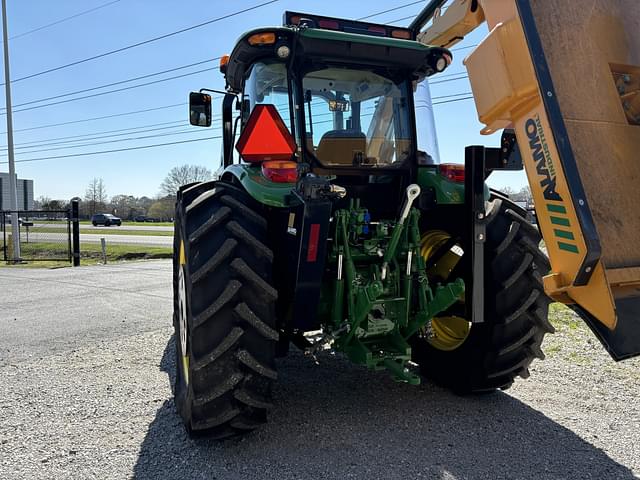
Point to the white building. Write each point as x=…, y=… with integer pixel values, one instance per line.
x=25, y=193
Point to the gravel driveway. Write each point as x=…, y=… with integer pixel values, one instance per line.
x=102, y=408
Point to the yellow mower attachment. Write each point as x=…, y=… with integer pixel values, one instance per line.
x=566, y=77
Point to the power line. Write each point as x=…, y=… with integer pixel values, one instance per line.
x=449, y=80
x=63, y=20
x=99, y=94
x=88, y=138
x=141, y=147
x=144, y=137
x=98, y=87
x=100, y=118
x=144, y=42
x=400, y=19
x=450, y=101
x=391, y=10
x=95, y=133
x=452, y=95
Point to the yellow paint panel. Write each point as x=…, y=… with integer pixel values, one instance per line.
x=183, y=260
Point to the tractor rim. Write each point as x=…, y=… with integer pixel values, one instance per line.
x=182, y=316
x=449, y=332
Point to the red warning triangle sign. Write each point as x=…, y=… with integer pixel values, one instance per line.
x=265, y=137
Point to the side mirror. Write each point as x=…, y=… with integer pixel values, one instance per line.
x=200, y=109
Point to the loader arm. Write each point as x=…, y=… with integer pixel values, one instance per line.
x=565, y=76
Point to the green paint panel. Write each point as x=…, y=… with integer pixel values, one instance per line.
x=373, y=315
x=259, y=187
x=560, y=221
x=556, y=208
x=568, y=247
x=564, y=234
x=447, y=193
x=322, y=34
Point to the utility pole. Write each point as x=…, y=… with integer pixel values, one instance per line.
x=13, y=180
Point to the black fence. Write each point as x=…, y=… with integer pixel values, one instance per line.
x=44, y=235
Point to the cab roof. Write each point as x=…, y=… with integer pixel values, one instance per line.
x=319, y=44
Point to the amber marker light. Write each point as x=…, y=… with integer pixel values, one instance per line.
x=267, y=38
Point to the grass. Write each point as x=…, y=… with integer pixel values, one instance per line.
x=90, y=254
x=572, y=340
x=108, y=231
x=128, y=224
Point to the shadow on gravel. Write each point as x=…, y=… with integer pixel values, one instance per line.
x=335, y=420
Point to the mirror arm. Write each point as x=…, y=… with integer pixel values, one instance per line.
x=221, y=92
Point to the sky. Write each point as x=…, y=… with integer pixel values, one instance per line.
x=114, y=24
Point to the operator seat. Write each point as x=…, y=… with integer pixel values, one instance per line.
x=340, y=147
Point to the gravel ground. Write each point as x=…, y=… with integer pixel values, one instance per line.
x=104, y=410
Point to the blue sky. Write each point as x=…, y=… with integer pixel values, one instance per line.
x=124, y=22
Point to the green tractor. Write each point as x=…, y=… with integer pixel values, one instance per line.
x=329, y=228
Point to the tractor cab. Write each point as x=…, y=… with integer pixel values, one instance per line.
x=344, y=92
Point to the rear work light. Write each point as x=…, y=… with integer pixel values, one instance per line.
x=266, y=38
x=280, y=171
x=453, y=172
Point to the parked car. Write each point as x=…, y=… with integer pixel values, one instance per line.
x=105, y=219
x=140, y=218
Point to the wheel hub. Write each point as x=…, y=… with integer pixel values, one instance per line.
x=449, y=332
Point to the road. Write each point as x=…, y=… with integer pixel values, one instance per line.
x=86, y=360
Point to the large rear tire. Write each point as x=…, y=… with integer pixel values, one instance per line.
x=224, y=311
x=490, y=355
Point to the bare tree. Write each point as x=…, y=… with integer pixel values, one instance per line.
x=96, y=196
x=508, y=191
x=125, y=206
x=183, y=175
x=525, y=195
x=40, y=203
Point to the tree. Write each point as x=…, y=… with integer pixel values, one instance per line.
x=508, y=191
x=124, y=206
x=41, y=202
x=183, y=175
x=162, y=208
x=524, y=195
x=96, y=196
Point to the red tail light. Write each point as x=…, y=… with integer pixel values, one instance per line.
x=280, y=171
x=453, y=172
x=379, y=30
x=329, y=24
